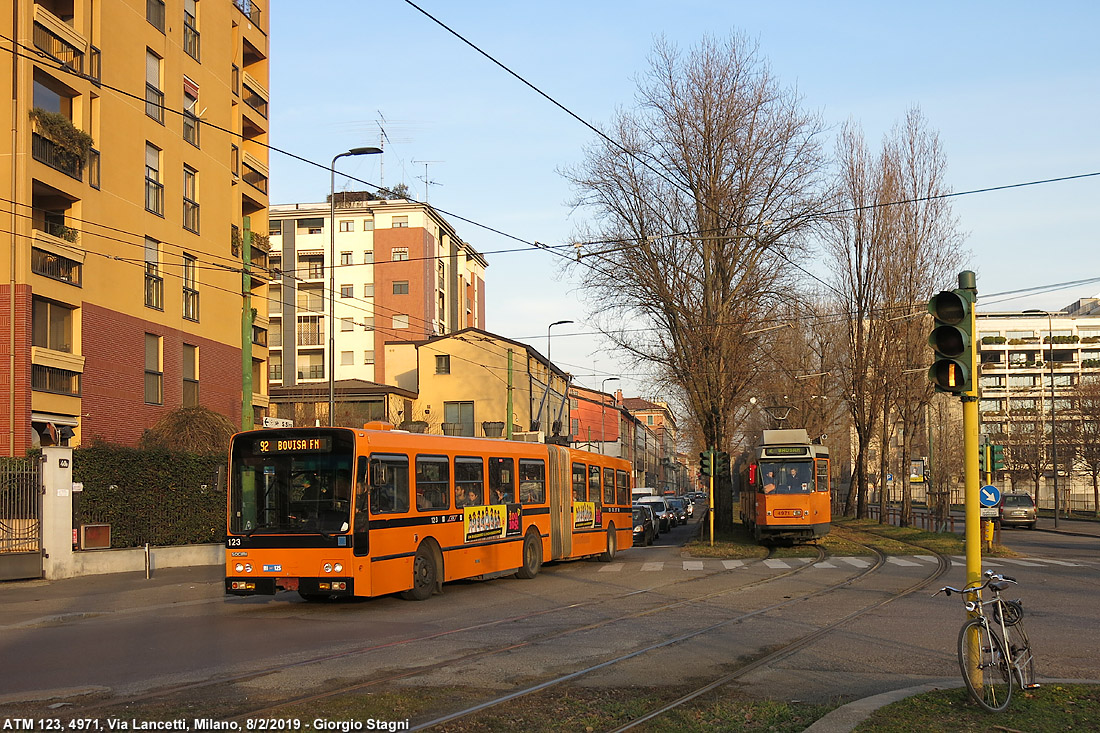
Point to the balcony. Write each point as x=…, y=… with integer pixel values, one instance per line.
x=254, y=178
x=46, y=151
x=54, y=380
x=53, y=45
x=250, y=9
x=56, y=267
x=254, y=94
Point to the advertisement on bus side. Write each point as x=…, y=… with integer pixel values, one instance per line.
x=491, y=522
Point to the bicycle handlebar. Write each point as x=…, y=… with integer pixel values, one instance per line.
x=992, y=579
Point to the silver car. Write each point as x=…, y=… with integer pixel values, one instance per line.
x=1019, y=510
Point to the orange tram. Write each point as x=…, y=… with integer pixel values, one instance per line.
x=332, y=512
x=784, y=488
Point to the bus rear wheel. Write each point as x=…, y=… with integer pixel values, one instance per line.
x=424, y=576
x=612, y=545
x=532, y=556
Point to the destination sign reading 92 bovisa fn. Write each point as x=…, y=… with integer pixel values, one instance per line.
x=315, y=444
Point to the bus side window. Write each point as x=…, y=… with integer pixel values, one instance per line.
x=389, y=483
x=622, y=488
x=532, y=481
x=469, y=481
x=502, y=481
x=609, y=486
x=593, y=483
x=579, y=479
x=362, y=518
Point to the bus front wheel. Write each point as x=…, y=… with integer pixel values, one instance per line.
x=424, y=576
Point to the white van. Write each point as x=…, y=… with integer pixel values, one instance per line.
x=640, y=491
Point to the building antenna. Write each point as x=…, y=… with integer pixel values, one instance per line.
x=425, y=178
x=383, y=138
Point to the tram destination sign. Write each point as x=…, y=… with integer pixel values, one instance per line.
x=789, y=450
x=315, y=444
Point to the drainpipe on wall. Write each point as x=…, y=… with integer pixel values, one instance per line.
x=246, y=325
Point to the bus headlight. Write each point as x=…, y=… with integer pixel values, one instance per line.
x=239, y=567
x=338, y=567
x=248, y=567
x=328, y=567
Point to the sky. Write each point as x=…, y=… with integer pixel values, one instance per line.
x=1012, y=88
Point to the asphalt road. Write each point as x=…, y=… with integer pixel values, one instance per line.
x=124, y=634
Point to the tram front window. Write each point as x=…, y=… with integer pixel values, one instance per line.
x=786, y=477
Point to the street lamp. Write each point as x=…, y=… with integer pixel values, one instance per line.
x=332, y=277
x=602, y=403
x=550, y=369
x=1053, y=432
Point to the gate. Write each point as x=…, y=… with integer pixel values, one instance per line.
x=20, y=520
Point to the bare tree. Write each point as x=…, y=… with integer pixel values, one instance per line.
x=1087, y=399
x=703, y=196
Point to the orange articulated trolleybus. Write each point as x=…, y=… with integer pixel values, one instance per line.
x=331, y=512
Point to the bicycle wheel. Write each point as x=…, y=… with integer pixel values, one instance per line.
x=1019, y=646
x=1012, y=611
x=984, y=665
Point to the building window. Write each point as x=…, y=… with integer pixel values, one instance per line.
x=190, y=289
x=190, y=375
x=190, y=111
x=368, y=225
x=347, y=291
x=400, y=254
x=368, y=323
x=368, y=357
x=310, y=331
x=368, y=258
x=442, y=363
x=235, y=167
x=347, y=358
x=154, y=283
x=190, y=199
x=347, y=324
x=154, y=373
x=345, y=258
x=347, y=225
x=459, y=417
x=190, y=28
x=401, y=321
x=154, y=189
x=400, y=287
x=52, y=326
x=235, y=80
x=400, y=222
x=154, y=13
x=368, y=290
x=154, y=97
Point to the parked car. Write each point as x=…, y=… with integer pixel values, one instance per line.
x=665, y=517
x=1018, y=510
x=644, y=528
x=652, y=517
x=679, y=508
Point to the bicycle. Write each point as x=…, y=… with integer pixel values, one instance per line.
x=991, y=656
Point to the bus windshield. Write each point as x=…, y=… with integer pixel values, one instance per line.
x=786, y=477
x=280, y=483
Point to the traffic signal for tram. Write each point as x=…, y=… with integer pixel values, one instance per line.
x=952, y=339
x=722, y=464
x=983, y=457
x=997, y=457
x=706, y=463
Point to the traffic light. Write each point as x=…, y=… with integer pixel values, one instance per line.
x=997, y=461
x=706, y=463
x=983, y=452
x=952, y=339
x=722, y=465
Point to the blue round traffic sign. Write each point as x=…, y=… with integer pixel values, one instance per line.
x=989, y=495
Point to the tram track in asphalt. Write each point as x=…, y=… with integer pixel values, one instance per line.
x=167, y=692
x=776, y=654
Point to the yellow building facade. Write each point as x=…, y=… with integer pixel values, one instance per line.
x=466, y=380
x=132, y=181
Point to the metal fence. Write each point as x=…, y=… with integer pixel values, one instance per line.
x=20, y=507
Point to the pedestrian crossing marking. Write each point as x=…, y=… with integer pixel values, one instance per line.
x=927, y=558
x=612, y=568
x=776, y=564
x=904, y=563
x=1059, y=562
x=649, y=567
x=733, y=564
x=855, y=561
x=693, y=564
x=824, y=564
x=1022, y=562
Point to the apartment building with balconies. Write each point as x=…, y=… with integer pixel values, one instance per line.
x=401, y=274
x=133, y=180
x=1030, y=364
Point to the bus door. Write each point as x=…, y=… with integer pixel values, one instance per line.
x=561, y=503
